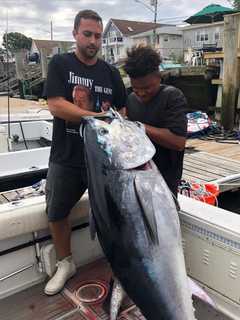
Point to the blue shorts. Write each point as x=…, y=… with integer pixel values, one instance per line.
x=64, y=187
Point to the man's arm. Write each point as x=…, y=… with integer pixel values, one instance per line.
x=165, y=138
x=63, y=109
x=173, y=135
x=120, y=95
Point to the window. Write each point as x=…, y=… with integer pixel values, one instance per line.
x=217, y=36
x=201, y=36
x=111, y=33
x=198, y=36
x=165, y=38
x=130, y=29
x=112, y=39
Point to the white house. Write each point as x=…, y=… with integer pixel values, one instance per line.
x=202, y=37
x=50, y=47
x=169, y=42
x=119, y=35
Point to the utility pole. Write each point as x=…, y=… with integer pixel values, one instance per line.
x=154, y=3
x=231, y=74
x=51, y=24
x=154, y=8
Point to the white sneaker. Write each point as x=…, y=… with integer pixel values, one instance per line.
x=65, y=270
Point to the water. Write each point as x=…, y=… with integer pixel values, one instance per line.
x=230, y=201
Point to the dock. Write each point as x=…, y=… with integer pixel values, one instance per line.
x=17, y=105
x=213, y=162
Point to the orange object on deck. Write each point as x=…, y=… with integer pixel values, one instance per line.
x=210, y=194
x=207, y=192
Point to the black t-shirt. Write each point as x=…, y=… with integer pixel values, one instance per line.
x=165, y=110
x=101, y=82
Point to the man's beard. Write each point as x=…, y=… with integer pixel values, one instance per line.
x=89, y=52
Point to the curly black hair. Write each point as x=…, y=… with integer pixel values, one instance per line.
x=141, y=61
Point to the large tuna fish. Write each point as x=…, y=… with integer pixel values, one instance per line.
x=136, y=219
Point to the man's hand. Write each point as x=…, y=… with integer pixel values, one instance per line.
x=123, y=112
x=63, y=109
x=166, y=138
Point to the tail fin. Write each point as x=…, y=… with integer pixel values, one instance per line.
x=198, y=292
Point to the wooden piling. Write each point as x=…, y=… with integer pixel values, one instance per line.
x=20, y=61
x=231, y=76
x=44, y=63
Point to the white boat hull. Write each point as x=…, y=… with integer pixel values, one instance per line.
x=211, y=237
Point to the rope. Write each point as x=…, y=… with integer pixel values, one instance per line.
x=196, y=191
x=220, y=135
x=211, y=131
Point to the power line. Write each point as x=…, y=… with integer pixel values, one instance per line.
x=145, y=5
x=172, y=18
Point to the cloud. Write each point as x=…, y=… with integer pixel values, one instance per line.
x=32, y=17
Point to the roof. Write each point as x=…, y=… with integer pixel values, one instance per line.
x=129, y=28
x=210, y=13
x=202, y=25
x=49, y=45
x=163, y=30
x=213, y=8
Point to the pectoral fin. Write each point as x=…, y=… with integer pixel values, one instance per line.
x=144, y=189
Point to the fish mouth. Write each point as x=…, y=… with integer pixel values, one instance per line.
x=124, y=143
x=107, y=117
x=144, y=167
x=90, y=119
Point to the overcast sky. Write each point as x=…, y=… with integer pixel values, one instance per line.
x=32, y=17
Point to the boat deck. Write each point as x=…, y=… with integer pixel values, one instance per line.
x=227, y=148
x=212, y=161
x=30, y=144
x=204, y=167
x=82, y=299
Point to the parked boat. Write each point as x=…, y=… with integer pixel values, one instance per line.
x=24, y=157
x=211, y=242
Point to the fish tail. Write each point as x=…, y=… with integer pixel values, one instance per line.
x=116, y=299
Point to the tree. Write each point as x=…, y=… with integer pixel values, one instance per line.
x=235, y=4
x=16, y=41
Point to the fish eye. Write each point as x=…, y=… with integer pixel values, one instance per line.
x=102, y=131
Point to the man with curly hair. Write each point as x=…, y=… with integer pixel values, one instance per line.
x=161, y=109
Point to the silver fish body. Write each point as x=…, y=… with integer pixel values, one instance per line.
x=136, y=219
